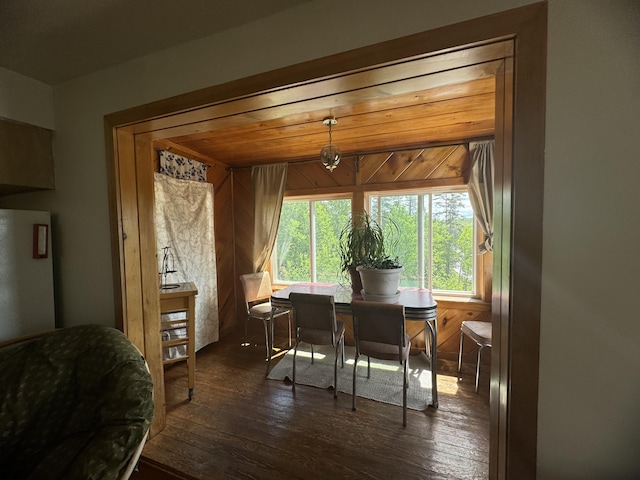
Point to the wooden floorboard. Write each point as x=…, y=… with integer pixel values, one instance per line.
x=239, y=425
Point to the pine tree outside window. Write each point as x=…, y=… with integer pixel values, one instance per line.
x=436, y=240
x=308, y=234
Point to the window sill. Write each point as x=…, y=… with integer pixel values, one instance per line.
x=468, y=303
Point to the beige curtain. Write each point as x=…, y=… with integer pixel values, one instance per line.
x=481, y=189
x=268, y=191
x=184, y=222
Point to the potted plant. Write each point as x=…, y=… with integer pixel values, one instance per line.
x=364, y=254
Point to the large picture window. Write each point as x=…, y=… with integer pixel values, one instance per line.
x=436, y=238
x=306, y=248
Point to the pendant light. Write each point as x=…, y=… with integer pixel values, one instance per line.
x=330, y=154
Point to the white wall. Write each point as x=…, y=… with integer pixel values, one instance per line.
x=589, y=418
x=590, y=328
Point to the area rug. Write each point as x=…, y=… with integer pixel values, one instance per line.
x=385, y=384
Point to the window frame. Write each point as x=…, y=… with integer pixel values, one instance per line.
x=478, y=270
x=476, y=293
x=273, y=264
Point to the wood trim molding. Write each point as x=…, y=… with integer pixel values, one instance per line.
x=517, y=259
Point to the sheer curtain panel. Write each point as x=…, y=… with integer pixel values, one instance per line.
x=268, y=191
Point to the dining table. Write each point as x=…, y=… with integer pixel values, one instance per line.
x=419, y=306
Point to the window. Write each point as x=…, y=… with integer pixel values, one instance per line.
x=308, y=235
x=435, y=240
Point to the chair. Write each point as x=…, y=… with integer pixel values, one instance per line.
x=380, y=333
x=257, y=294
x=314, y=318
x=479, y=332
x=75, y=403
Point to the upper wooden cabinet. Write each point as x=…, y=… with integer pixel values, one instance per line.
x=26, y=158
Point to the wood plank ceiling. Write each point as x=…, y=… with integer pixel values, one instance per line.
x=440, y=99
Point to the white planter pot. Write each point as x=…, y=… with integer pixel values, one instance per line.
x=380, y=281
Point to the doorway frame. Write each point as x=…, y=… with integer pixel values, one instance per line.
x=518, y=218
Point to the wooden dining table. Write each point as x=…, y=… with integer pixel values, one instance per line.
x=419, y=307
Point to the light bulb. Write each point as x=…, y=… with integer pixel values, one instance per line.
x=330, y=156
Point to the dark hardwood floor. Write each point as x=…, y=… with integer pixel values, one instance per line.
x=241, y=425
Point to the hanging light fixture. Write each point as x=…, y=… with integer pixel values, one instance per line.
x=330, y=154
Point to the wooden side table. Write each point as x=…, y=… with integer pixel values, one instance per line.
x=177, y=300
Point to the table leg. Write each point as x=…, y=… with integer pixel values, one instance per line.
x=191, y=345
x=270, y=342
x=433, y=332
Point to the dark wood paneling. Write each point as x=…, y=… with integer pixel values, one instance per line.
x=243, y=236
x=223, y=224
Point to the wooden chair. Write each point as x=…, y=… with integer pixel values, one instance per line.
x=257, y=295
x=314, y=319
x=480, y=333
x=380, y=333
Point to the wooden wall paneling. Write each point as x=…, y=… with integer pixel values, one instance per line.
x=243, y=234
x=311, y=176
x=426, y=162
x=126, y=241
x=223, y=225
x=317, y=176
x=369, y=165
x=487, y=275
x=393, y=166
x=450, y=318
x=415, y=330
x=345, y=173
x=455, y=165
x=298, y=177
x=115, y=232
x=446, y=165
x=145, y=158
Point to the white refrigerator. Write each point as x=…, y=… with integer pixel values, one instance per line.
x=26, y=273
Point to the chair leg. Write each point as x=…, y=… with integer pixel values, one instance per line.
x=460, y=354
x=342, y=346
x=368, y=366
x=353, y=393
x=311, y=354
x=478, y=367
x=293, y=381
x=289, y=323
x=335, y=371
x=405, y=386
x=266, y=338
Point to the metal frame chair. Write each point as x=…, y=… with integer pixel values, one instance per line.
x=314, y=318
x=379, y=332
x=480, y=333
x=257, y=295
